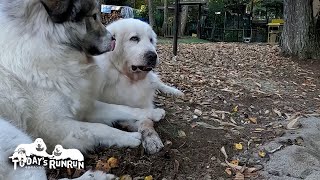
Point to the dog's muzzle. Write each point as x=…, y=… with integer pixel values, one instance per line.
x=151, y=58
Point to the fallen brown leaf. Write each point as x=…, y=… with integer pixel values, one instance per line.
x=239, y=176
x=294, y=121
x=277, y=112
x=208, y=126
x=253, y=120
x=125, y=177
x=228, y=171
x=103, y=166
x=113, y=162
x=148, y=178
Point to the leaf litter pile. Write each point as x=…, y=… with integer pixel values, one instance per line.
x=237, y=97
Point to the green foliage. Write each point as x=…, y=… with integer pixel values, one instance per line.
x=139, y=3
x=158, y=17
x=213, y=18
x=142, y=12
x=236, y=2
x=273, y=7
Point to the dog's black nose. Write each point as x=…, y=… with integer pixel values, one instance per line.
x=151, y=58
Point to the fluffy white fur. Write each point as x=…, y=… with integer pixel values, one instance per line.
x=125, y=94
x=47, y=87
x=10, y=137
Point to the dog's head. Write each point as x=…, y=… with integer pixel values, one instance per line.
x=136, y=45
x=57, y=150
x=83, y=27
x=72, y=23
x=40, y=145
x=21, y=151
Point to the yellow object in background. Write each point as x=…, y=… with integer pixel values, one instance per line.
x=262, y=154
x=238, y=146
x=275, y=30
x=148, y=178
x=280, y=21
x=113, y=162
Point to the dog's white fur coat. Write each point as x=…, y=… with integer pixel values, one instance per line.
x=47, y=88
x=123, y=92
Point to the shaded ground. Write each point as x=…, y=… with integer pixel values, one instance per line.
x=235, y=93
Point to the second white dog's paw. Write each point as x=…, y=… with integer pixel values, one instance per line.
x=96, y=175
x=157, y=114
x=178, y=93
x=151, y=141
x=171, y=91
x=129, y=139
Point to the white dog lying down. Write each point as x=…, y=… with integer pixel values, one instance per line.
x=128, y=79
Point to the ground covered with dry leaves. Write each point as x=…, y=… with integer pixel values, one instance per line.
x=237, y=96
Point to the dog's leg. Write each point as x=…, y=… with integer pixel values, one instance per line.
x=10, y=138
x=150, y=138
x=134, y=119
x=162, y=87
x=110, y=113
x=168, y=90
x=85, y=136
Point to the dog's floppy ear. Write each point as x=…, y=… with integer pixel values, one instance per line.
x=58, y=10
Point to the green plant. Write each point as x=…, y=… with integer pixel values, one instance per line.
x=158, y=17
x=142, y=12
x=216, y=13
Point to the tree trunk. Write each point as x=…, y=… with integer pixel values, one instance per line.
x=133, y=3
x=151, y=18
x=184, y=18
x=165, y=17
x=301, y=32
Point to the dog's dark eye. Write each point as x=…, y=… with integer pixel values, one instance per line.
x=151, y=40
x=135, y=38
x=95, y=16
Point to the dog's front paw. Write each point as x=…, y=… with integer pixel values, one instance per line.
x=129, y=139
x=157, y=114
x=178, y=93
x=97, y=175
x=151, y=141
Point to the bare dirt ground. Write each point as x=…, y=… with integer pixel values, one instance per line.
x=235, y=93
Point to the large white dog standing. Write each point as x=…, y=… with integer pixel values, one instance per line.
x=128, y=79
